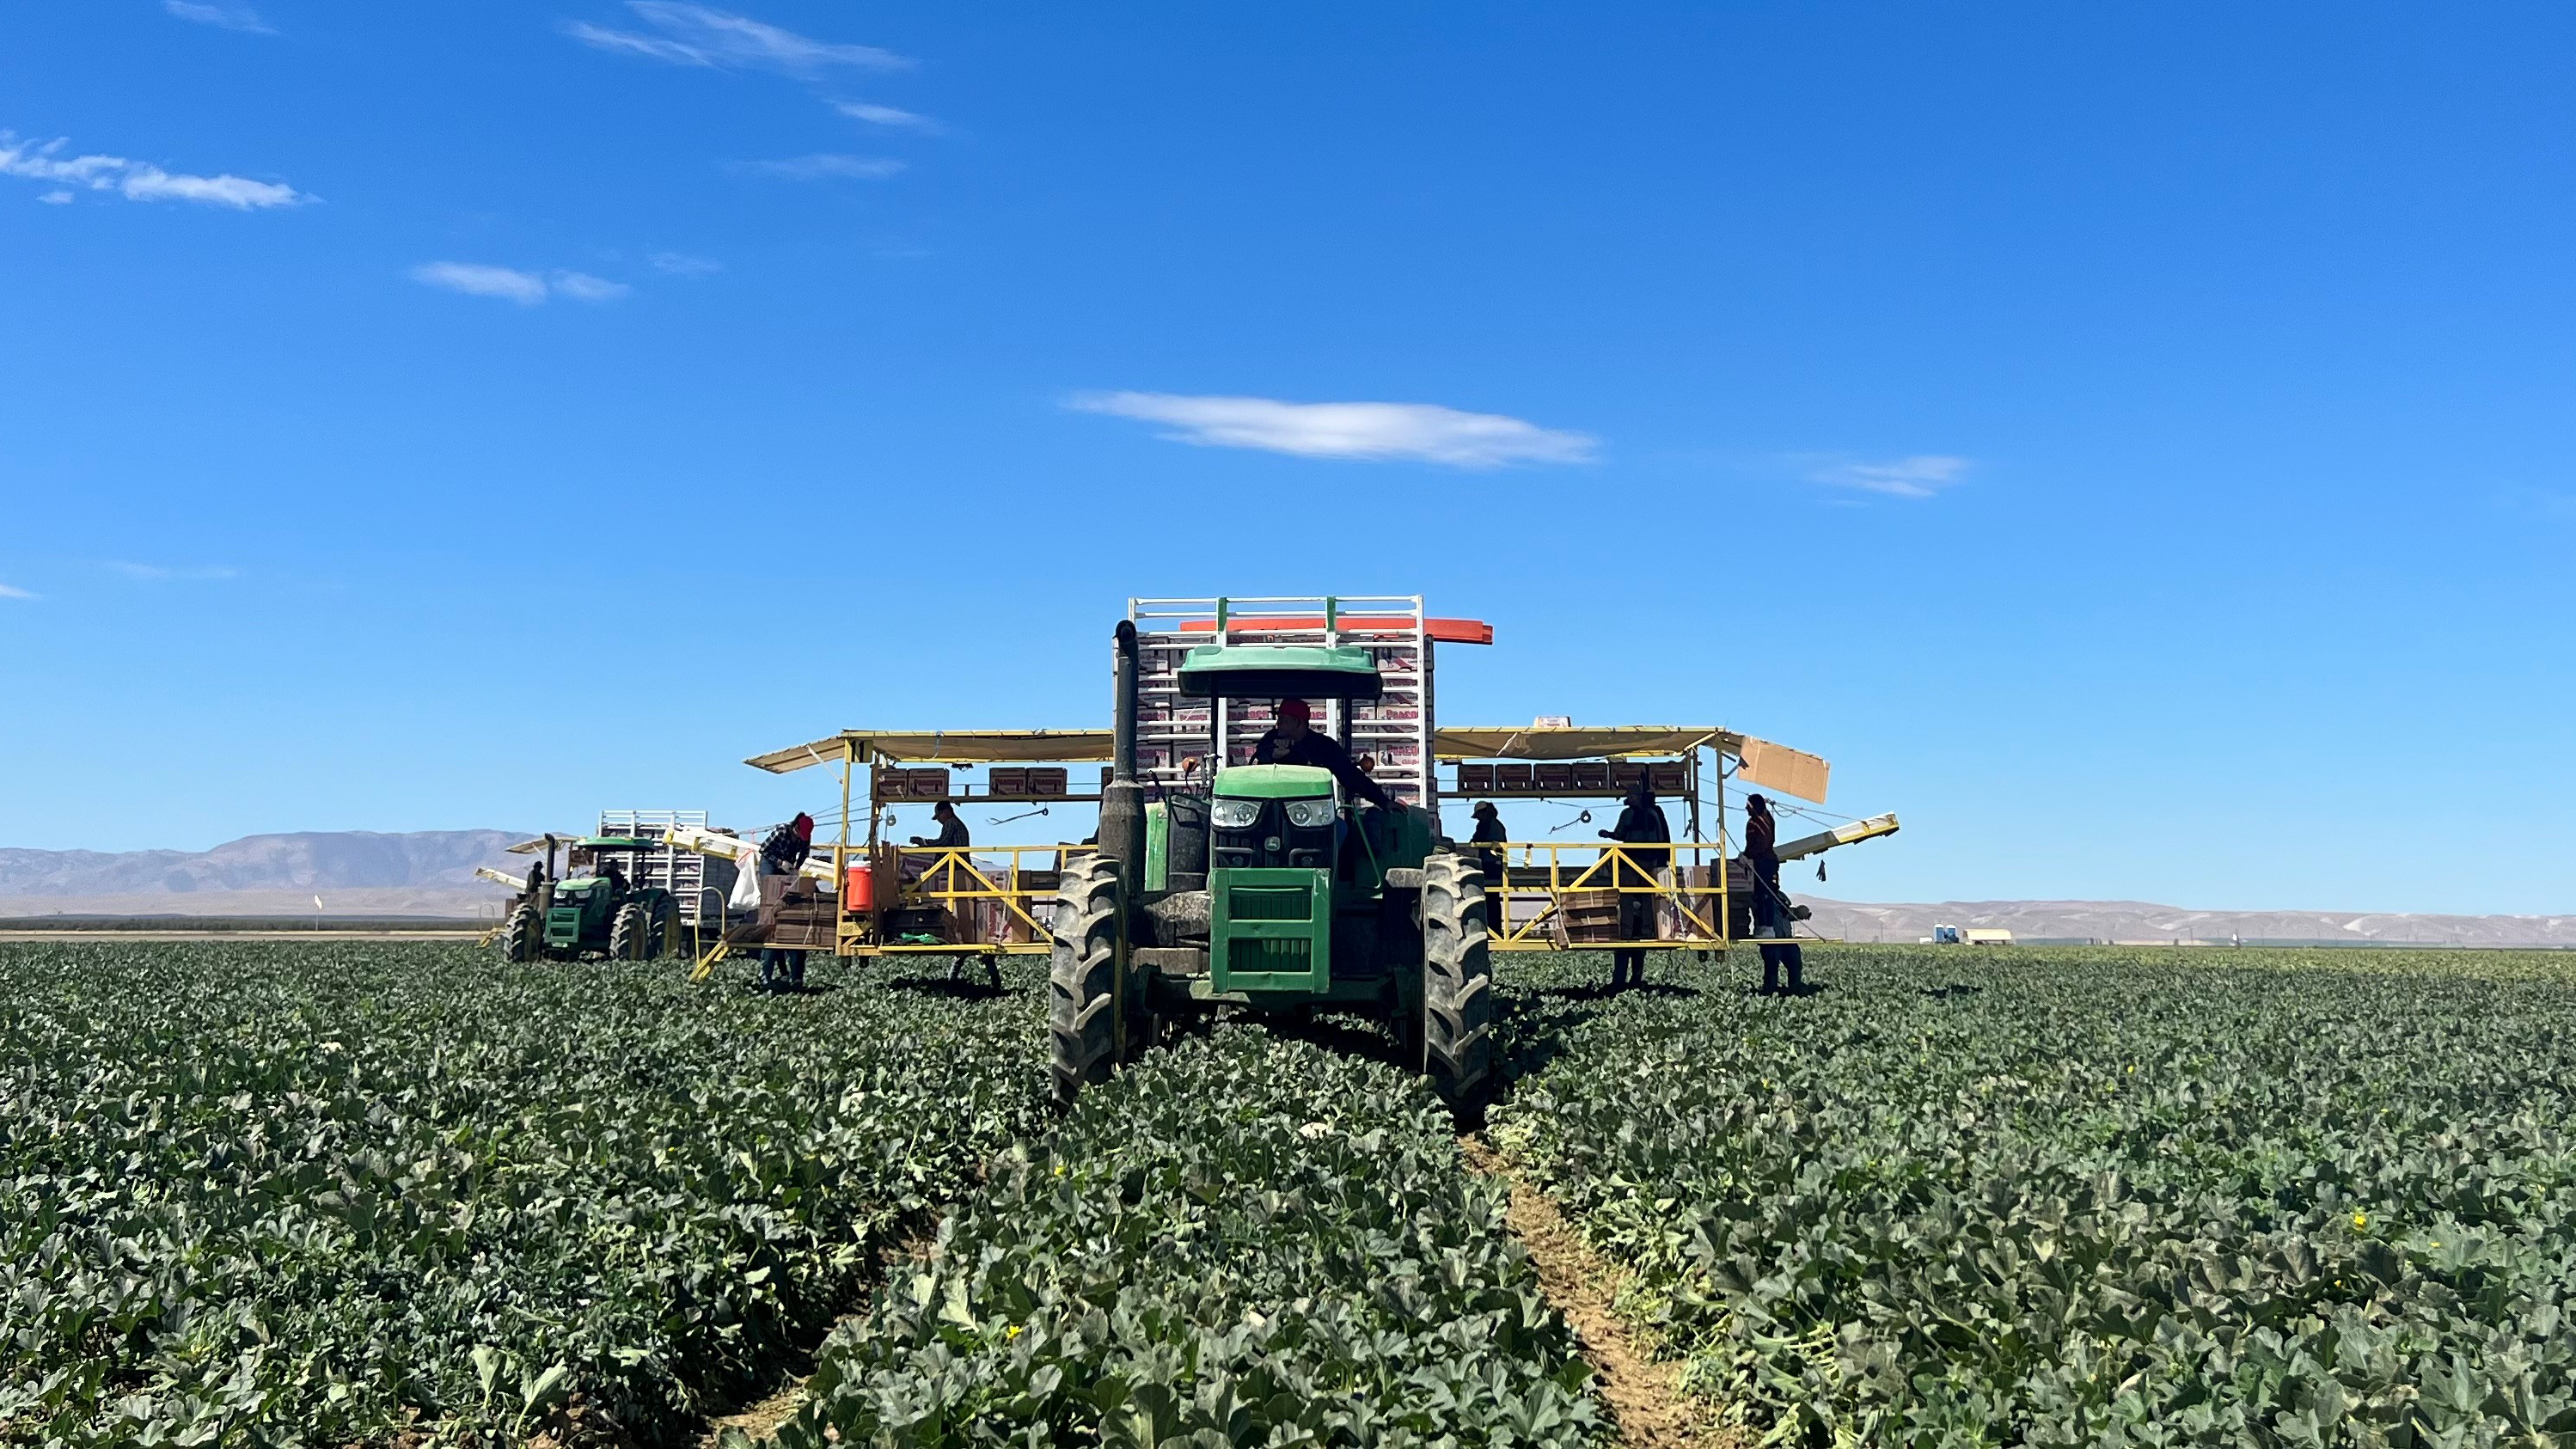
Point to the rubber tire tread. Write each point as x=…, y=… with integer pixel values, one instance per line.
x=519, y=934
x=1082, y=966
x=665, y=940
x=1457, y=978
x=629, y=932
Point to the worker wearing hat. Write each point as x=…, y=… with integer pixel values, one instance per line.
x=1291, y=741
x=1489, y=861
x=1761, y=859
x=1642, y=827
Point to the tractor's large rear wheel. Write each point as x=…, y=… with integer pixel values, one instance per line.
x=1082, y=973
x=630, y=931
x=1457, y=1012
x=519, y=934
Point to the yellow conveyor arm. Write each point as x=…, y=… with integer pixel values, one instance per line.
x=1851, y=834
x=746, y=853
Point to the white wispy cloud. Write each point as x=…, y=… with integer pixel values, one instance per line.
x=719, y=39
x=56, y=197
x=224, y=17
x=876, y=115
x=163, y=573
x=824, y=167
x=681, y=264
x=476, y=280
x=510, y=284
x=8, y=592
x=1367, y=430
x=583, y=287
x=136, y=180
x=1920, y=476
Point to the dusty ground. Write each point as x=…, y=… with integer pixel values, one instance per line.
x=761, y=1419
x=1643, y=1392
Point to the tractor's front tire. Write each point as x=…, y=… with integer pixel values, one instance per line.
x=1082, y=974
x=519, y=934
x=666, y=930
x=629, y=932
x=1457, y=1013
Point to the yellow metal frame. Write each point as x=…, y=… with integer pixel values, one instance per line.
x=1602, y=871
x=952, y=878
x=938, y=884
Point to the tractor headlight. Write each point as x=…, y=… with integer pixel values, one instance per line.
x=1310, y=814
x=1234, y=814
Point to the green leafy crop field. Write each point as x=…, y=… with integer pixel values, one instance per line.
x=2085, y=1197
x=343, y=1193
x=314, y=1193
x=1244, y=1240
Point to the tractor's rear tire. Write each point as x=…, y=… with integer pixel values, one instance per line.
x=629, y=932
x=1082, y=974
x=1456, y=1032
x=519, y=934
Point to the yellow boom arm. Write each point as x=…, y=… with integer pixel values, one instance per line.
x=1851, y=834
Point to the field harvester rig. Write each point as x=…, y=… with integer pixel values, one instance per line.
x=1215, y=885
x=606, y=914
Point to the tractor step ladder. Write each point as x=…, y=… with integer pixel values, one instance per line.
x=706, y=966
x=1394, y=730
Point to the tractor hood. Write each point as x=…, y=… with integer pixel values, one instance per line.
x=1274, y=782
x=1279, y=671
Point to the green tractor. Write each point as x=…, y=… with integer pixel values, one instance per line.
x=1274, y=894
x=595, y=915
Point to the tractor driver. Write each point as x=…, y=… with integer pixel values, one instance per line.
x=1291, y=742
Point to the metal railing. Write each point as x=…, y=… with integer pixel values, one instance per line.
x=1539, y=877
x=1545, y=885
x=954, y=878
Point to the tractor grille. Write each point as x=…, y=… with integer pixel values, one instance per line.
x=1292, y=954
x=1271, y=903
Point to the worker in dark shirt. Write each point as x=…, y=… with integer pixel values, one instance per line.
x=952, y=831
x=1761, y=857
x=1291, y=742
x=1642, y=826
x=1489, y=862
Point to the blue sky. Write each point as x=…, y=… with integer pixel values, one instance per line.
x=2130, y=442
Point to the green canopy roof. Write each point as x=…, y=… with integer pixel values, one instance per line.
x=1279, y=671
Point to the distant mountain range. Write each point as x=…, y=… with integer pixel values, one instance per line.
x=2140, y=921
x=355, y=872
x=431, y=873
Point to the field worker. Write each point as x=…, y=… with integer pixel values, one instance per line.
x=1770, y=908
x=952, y=836
x=1642, y=826
x=952, y=831
x=1490, y=833
x=789, y=846
x=1291, y=742
x=781, y=969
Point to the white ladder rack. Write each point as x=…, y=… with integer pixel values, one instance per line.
x=1393, y=731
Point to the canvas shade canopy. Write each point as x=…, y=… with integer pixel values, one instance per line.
x=942, y=747
x=1768, y=765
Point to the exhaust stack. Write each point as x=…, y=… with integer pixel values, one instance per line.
x=1122, y=801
